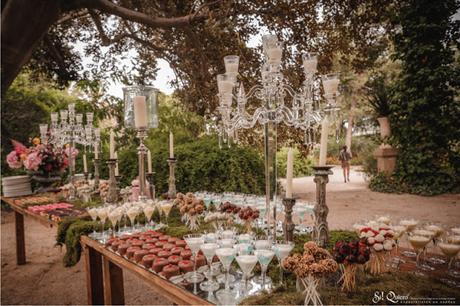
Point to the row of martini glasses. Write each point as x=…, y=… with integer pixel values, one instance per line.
x=301, y=209
x=246, y=250
x=130, y=211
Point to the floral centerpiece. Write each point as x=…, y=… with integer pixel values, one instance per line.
x=349, y=255
x=40, y=160
x=381, y=241
x=218, y=219
x=309, y=268
x=190, y=208
x=246, y=214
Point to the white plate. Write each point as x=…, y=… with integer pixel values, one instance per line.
x=16, y=193
x=13, y=180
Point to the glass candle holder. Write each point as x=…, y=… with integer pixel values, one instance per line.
x=150, y=95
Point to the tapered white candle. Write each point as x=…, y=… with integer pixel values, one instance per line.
x=323, y=144
x=96, y=151
x=289, y=173
x=85, y=165
x=116, y=164
x=140, y=112
x=171, y=145
x=275, y=54
x=112, y=144
x=149, y=161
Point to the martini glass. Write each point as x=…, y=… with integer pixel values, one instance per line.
x=93, y=214
x=243, y=248
x=410, y=225
x=282, y=250
x=132, y=214
x=226, y=257
x=247, y=264
x=301, y=210
x=264, y=257
x=113, y=217
x=166, y=208
x=451, y=250
x=209, y=250
x=148, y=212
x=398, y=232
x=120, y=214
x=102, y=214
x=263, y=243
x=194, y=242
x=419, y=243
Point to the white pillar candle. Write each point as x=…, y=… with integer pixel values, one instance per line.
x=309, y=65
x=331, y=86
x=112, y=145
x=149, y=161
x=116, y=164
x=85, y=164
x=274, y=54
x=289, y=173
x=323, y=145
x=140, y=112
x=171, y=145
x=231, y=68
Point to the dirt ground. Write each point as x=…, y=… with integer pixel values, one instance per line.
x=44, y=280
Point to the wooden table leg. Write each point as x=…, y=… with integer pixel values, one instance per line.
x=94, y=280
x=114, y=293
x=20, y=241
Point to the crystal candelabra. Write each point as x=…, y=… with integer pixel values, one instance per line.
x=67, y=128
x=112, y=194
x=151, y=185
x=280, y=104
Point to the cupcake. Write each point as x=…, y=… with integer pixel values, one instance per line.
x=176, y=250
x=181, y=243
x=186, y=254
x=168, y=246
x=125, y=237
x=151, y=240
x=154, y=234
x=172, y=240
x=115, y=245
x=170, y=271
x=137, y=243
x=122, y=248
x=164, y=254
x=139, y=254
x=200, y=261
x=160, y=244
x=158, y=264
x=147, y=260
x=164, y=238
x=174, y=259
x=131, y=250
x=110, y=241
x=186, y=266
x=148, y=246
x=155, y=251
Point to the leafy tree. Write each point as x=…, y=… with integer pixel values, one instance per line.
x=426, y=109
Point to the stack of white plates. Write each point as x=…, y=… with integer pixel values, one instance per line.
x=16, y=186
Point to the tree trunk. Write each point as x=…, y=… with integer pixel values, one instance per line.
x=350, y=126
x=24, y=23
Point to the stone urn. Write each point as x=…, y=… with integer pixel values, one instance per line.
x=385, y=153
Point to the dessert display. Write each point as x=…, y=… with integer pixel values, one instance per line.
x=190, y=207
x=57, y=211
x=309, y=267
x=350, y=255
x=33, y=200
x=380, y=240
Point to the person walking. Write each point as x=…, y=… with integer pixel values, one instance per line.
x=345, y=157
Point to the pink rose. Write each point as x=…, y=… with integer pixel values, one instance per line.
x=13, y=160
x=71, y=151
x=33, y=161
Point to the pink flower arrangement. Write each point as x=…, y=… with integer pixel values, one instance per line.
x=39, y=158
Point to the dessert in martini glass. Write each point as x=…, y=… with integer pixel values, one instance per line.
x=451, y=251
x=226, y=257
x=209, y=250
x=247, y=264
x=419, y=243
x=282, y=250
x=194, y=242
x=264, y=257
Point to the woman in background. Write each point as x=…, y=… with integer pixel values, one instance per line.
x=345, y=157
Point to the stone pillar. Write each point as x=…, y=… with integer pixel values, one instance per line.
x=321, y=230
x=288, y=225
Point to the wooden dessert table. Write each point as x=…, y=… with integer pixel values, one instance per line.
x=19, y=213
x=104, y=278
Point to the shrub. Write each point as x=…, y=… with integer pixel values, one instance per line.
x=302, y=165
x=201, y=165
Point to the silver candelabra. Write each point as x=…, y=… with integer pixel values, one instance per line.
x=279, y=104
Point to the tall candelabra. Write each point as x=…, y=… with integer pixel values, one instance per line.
x=142, y=152
x=280, y=104
x=172, y=178
x=67, y=128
